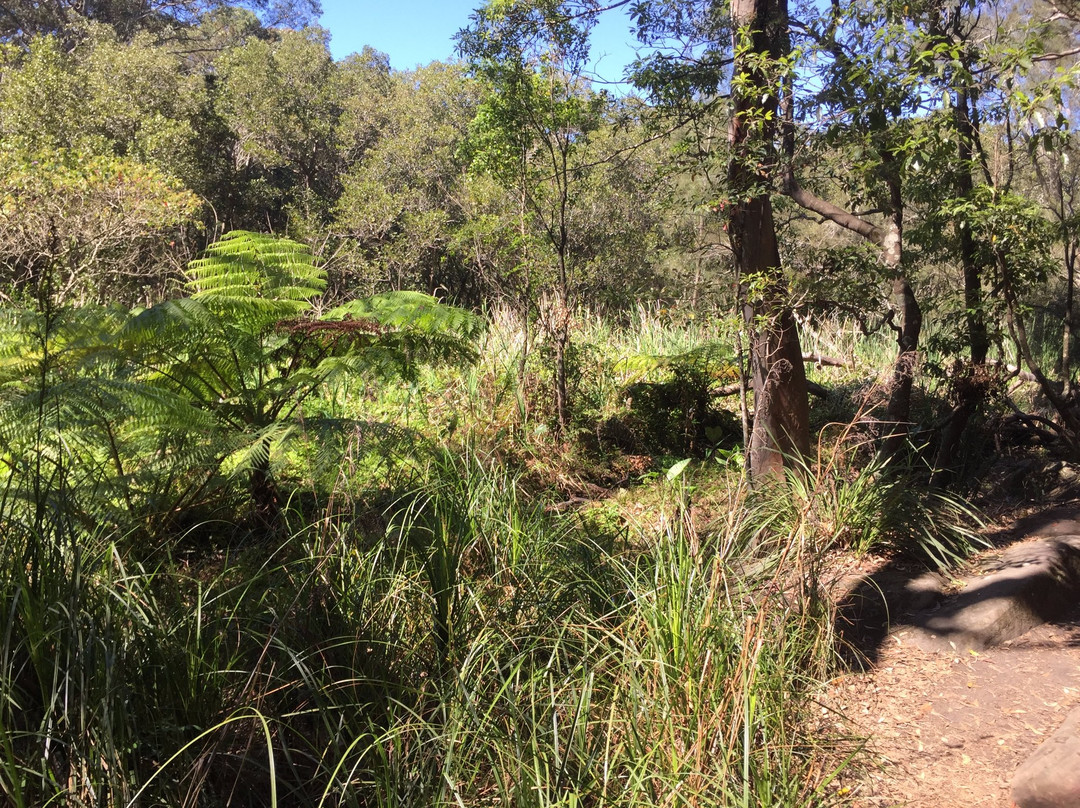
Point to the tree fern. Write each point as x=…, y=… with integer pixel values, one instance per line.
x=83, y=438
x=245, y=348
x=256, y=277
x=116, y=418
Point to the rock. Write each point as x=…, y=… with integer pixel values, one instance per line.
x=1037, y=581
x=1050, y=778
x=923, y=592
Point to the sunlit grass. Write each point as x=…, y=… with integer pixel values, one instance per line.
x=441, y=620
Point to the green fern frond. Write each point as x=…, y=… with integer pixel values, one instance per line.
x=713, y=358
x=76, y=340
x=256, y=275
x=413, y=311
x=421, y=330
x=257, y=446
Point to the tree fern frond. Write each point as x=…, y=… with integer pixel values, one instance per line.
x=257, y=446
x=414, y=311
x=421, y=330
x=258, y=276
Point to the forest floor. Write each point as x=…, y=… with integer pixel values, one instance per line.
x=949, y=729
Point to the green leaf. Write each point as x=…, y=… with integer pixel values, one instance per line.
x=674, y=472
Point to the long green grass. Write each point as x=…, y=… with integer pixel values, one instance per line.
x=481, y=651
x=431, y=624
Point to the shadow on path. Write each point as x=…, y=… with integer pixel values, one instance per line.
x=906, y=594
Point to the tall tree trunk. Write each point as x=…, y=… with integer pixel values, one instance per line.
x=1067, y=325
x=970, y=383
x=909, y=327
x=906, y=313
x=781, y=431
x=978, y=339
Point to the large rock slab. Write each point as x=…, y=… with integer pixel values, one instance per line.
x=1050, y=778
x=1036, y=582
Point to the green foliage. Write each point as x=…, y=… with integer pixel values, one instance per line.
x=404, y=205
x=102, y=96
x=88, y=225
x=877, y=506
x=280, y=96
x=672, y=404
x=473, y=641
x=1005, y=226
x=242, y=348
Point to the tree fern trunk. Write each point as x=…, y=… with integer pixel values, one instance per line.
x=265, y=497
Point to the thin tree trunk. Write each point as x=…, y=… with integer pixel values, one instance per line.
x=971, y=386
x=1069, y=417
x=265, y=497
x=526, y=302
x=907, y=314
x=1067, y=325
x=978, y=339
x=909, y=327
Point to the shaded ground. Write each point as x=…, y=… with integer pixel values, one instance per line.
x=950, y=729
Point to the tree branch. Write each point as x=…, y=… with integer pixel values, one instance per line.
x=849, y=221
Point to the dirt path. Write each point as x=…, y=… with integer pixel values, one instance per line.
x=950, y=730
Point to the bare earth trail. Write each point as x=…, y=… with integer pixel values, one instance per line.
x=948, y=728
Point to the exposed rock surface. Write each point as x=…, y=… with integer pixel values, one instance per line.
x=1034, y=582
x=1051, y=777
x=969, y=690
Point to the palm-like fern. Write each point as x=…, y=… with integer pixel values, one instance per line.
x=105, y=415
x=245, y=347
x=83, y=440
x=256, y=277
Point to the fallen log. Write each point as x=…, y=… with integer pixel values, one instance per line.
x=824, y=361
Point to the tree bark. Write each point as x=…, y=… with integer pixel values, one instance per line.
x=970, y=392
x=978, y=339
x=889, y=238
x=1067, y=325
x=781, y=430
x=909, y=327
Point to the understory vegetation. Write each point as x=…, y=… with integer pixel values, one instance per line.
x=446, y=606
x=473, y=436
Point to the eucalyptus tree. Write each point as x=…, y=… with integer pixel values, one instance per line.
x=1041, y=98
x=871, y=109
x=728, y=72
x=22, y=20
x=1054, y=155
x=981, y=60
x=405, y=191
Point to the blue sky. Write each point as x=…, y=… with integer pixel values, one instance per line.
x=416, y=32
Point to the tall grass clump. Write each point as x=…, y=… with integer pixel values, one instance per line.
x=850, y=497
x=621, y=670
x=481, y=650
